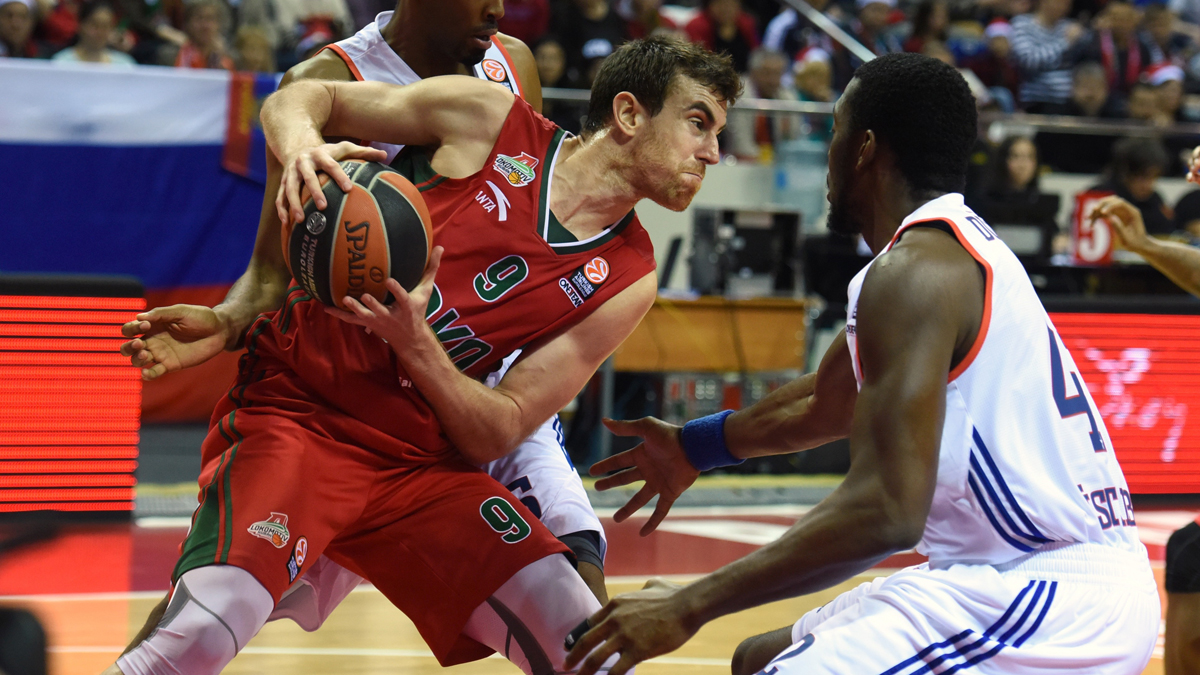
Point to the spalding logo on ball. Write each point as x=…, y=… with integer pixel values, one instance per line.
x=379, y=229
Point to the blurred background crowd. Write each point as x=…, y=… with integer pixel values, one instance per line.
x=1094, y=59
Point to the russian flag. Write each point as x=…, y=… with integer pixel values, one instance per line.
x=123, y=171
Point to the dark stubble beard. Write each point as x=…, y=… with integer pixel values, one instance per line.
x=840, y=222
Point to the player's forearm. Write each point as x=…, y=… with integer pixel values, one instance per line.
x=1178, y=262
x=844, y=535
x=293, y=117
x=777, y=424
x=261, y=288
x=482, y=423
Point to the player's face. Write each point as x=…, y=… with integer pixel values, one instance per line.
x=463, y=29
x=841, y=179
x=679, y=143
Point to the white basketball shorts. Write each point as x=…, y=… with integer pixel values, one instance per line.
x=1081, y=608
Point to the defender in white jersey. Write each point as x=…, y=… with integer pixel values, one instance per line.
x=973, y=439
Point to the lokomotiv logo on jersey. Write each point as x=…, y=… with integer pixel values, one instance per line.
x=273, y=529
x=518, y=171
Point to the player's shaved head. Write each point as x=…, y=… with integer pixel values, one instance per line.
x=924, y=111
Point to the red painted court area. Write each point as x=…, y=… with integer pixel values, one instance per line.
x=119, y=558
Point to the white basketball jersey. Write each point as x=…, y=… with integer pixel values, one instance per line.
x=1025, y=460
x=371, y=58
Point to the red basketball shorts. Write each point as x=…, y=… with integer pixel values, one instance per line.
x=285, y=479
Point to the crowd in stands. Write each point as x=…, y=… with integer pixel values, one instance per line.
x=1108, y=59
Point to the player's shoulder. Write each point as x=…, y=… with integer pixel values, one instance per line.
x=926, y=273
x=326, y=65
x=520, y=52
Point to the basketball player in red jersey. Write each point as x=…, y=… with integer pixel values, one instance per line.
x=336, y=441
x=414, y=41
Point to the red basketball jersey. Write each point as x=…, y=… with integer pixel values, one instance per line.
x=502, y=285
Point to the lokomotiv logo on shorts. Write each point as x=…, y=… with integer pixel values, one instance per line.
x=273, y=529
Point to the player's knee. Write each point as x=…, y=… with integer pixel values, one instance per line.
x=754, y=653
x=213, y=613
x=529, y=617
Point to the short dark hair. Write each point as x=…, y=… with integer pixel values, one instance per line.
x=647, y=68
x=1137, y=157
x=924, y=111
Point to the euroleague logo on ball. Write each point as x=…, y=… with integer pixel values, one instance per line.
x=494, y=70
x=315, y=223
x=597, y=270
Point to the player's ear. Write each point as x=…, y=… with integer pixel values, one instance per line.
x=866, y=150
x=627, y=113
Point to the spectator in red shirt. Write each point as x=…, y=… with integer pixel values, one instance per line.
x=724, y=27
x=526, y=20
x=16, y=30
x=205, y=46
x=645, y=17
x=58, y=27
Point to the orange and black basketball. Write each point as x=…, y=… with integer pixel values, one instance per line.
x=379, y=229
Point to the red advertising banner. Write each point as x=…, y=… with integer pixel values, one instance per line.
x=1143, y=371
x=69, y=404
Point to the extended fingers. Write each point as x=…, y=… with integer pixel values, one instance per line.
x=308, y=173
x=637, y=501
x=291, y=190
x=132, y=347
x=621, y=460
x=637, y=427
x=598, y=657
x=135, y=328
x=154, y=372
x=599, y=632
x=617, y=480
x=348, y=317
x=660, y=511
x=357, y=308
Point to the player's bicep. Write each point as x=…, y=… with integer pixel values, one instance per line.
x=430, y=112
x=555, y=370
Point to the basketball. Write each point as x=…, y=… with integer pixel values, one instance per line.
x=379, y=229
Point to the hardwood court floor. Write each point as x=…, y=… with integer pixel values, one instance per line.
x=89, y=619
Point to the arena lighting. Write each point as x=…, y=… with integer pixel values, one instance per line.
x=70, y=404
x=1143, y=372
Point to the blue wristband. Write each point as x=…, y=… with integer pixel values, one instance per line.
x=704, y=442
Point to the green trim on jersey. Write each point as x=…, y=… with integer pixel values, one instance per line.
x=595, y=242
x=415, y=164
x=200, y=547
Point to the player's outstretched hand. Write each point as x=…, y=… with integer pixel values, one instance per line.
x=658, y=460
x=1125, y=220
x=638, y=626
x=1193, y=174
x=167, y=339
x=400, y=322
x=301, y=170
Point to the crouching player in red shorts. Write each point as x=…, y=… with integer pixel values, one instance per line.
x=360, y=445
